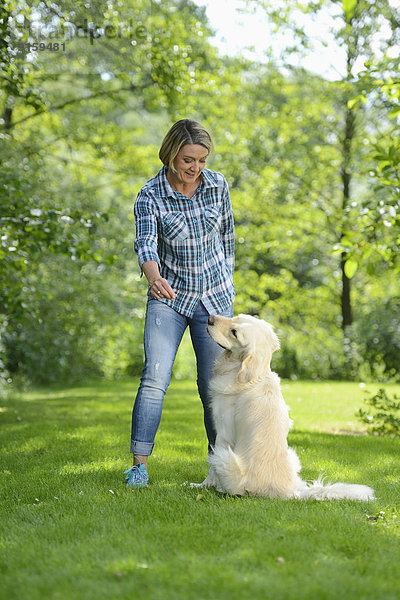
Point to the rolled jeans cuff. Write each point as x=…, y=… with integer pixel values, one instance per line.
x=141, y=448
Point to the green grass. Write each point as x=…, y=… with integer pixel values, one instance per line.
x=70, y=529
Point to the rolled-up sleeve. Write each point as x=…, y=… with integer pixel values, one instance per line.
x=228, y=228
x=146, y=240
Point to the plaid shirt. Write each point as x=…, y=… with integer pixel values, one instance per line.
x=192, y=240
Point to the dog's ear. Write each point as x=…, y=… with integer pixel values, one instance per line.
x=247, y=369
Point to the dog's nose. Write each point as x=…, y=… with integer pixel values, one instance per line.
x=211, y=320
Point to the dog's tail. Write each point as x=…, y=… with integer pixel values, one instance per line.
x=229, y=469
x=319, y=490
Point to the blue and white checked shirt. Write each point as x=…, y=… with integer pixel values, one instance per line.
x=192, y=240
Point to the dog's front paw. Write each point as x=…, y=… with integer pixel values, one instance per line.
x=197, y=485
x=210, y=481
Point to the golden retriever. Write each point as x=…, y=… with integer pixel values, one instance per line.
x=252, y=421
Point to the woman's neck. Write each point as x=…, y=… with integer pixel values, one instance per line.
x=186, y=189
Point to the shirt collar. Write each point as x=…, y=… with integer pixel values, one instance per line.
x=164, y=184
x=166, y=189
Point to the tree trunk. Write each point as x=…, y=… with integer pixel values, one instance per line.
x=347, y=317
x=348, y=135
x=7, y=118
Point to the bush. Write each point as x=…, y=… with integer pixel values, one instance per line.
x=377, y=331
x=385, y=417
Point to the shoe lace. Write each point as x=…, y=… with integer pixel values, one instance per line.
x=137, y=473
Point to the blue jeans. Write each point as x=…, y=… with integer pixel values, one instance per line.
x=163, y=331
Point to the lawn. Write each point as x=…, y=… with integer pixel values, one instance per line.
x=71, y=530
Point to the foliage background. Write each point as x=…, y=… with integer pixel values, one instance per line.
x=80, y=132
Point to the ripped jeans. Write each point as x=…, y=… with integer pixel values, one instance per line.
x=163, y=331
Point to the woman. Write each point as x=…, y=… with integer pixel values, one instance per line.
x=185, y=245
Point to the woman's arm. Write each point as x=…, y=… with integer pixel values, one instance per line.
x=146, y=239
x=146, y=247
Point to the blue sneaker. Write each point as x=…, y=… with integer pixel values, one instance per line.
x=136, y=476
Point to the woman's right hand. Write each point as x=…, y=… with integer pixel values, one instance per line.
x=160, y=288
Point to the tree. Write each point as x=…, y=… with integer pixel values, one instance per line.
x=381, y=224
x=62, y=122
x=360, y=22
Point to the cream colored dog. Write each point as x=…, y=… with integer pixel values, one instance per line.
x=251, y=453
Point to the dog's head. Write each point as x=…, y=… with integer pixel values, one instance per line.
x=250, y=340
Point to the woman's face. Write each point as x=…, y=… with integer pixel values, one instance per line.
x=189, y=162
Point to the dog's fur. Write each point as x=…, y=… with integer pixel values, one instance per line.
x=251, y=453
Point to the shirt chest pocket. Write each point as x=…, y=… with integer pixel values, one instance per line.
x=174, y=226
x=212, y=220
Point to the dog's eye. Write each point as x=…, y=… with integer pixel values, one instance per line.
x=233, y=331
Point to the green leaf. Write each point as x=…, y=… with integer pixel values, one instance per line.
x=348, y=7
x=350, y=267
x=353, y=101
x=394, y=112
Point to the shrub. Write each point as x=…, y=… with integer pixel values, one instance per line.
x=384, y=418
x=377, y=333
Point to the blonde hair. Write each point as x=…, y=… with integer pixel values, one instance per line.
x=181, y=133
